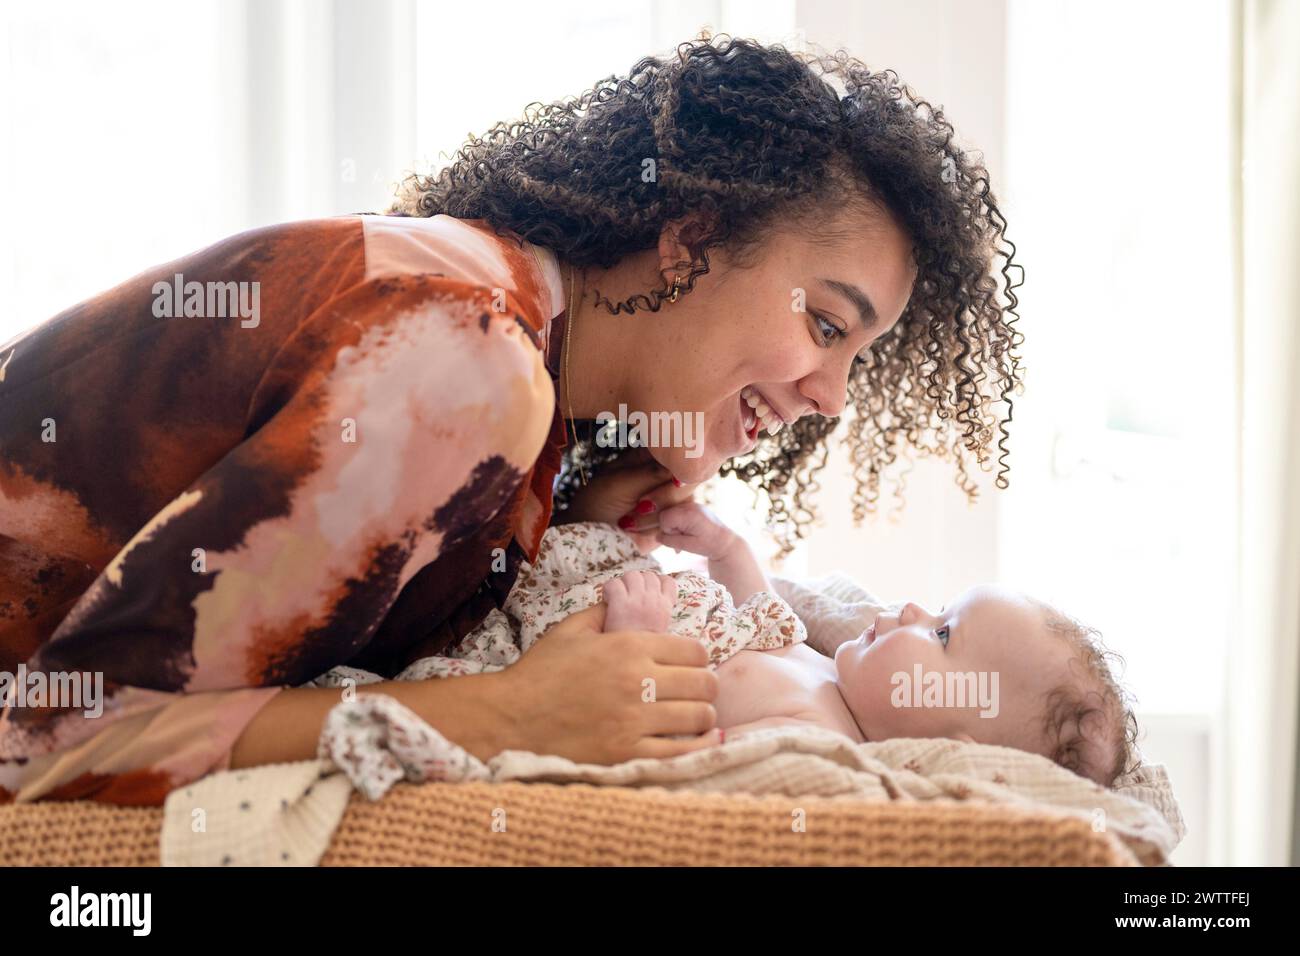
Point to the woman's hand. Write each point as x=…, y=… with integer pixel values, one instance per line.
x=629, y=492
x=606, y=698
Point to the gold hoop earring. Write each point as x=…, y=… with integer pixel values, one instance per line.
x=676, y=281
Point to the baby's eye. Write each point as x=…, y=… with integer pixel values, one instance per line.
x=942, y=634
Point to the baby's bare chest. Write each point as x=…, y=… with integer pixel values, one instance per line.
x=784, y=682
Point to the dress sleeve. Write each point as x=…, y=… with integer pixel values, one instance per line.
x=397, y=419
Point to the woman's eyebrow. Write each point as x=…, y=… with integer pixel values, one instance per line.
x=866, y=311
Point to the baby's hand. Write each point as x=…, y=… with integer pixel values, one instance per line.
x=640, y=601
x=692, y=527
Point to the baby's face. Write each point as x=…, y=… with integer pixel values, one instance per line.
x=917, y=674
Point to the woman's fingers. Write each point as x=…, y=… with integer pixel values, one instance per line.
x=583, y=622
x=685, y=683
x=583, y=695
x=663, y=747
x=644, y=515
x=617, y=487
x=664, y=496
x=679, y=717
x=673, y=650
x=646, y=541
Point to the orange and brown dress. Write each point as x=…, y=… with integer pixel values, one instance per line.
x=204, y=508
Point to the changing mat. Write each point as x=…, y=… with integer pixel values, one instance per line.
x=285, y=814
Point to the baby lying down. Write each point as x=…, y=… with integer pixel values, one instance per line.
x=993, y=667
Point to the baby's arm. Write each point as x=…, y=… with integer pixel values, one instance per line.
x=692, y=527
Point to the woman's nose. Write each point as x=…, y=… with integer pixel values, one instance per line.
x=827, y=392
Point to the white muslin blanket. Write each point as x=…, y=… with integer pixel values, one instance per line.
x=285, y=814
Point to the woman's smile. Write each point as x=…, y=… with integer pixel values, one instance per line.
x=755, y=414
x=748, y=424
x=766, y=413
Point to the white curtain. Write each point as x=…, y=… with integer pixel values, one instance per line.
x=1262, y=656
x=330, y=88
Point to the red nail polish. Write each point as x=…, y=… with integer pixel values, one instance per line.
x=676, y=482
x=645, y=506
x=626, y=522
x=722, y=736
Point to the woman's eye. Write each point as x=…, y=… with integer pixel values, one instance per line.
x=829, y=330
x=942, y=634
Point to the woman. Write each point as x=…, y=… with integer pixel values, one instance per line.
x=332, y=442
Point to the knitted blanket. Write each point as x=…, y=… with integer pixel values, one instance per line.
x=286, y=814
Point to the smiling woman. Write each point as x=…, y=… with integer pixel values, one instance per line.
x=232, y=509
x=742, y=347
x=810, y=235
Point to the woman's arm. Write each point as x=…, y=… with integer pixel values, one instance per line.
x=578, y=693
x=464, y=710
x=393, y=423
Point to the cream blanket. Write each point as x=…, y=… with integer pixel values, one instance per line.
x=285, y=814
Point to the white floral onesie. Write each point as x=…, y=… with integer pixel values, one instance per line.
x=573, y=564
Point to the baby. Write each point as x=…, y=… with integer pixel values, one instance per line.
x=993, y=667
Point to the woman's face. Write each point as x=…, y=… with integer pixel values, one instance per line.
x=780, y=332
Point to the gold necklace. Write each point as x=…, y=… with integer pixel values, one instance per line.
x=570, y=429
x=568, y=337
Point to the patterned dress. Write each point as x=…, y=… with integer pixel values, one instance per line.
x=574, y=563
x=314, y=444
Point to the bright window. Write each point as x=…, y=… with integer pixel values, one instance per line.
x=1118, y=173
x=127, y=147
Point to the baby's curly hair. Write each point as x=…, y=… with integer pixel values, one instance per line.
x=752, y=136
x=1090, y=720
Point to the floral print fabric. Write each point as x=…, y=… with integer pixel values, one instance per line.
x=377, y=742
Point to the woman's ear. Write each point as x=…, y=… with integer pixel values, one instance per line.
x=677, y=240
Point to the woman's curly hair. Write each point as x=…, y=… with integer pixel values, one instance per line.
x=753, y=137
